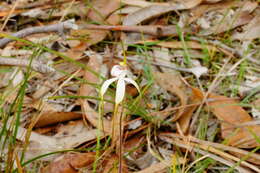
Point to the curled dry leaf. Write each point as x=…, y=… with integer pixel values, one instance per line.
x=205, y=8
x=56, y=117
x=70, y=163
x=100, y=12
x=251, y=30
x=156, y=10
x=143, y=4
x=101, y=9
x=197, y=97
x=74, y=134
x=240, y=17
x=174, y=86
x=232, y=115
x=109, y=165
x=151, y=11
x=211, y=1
x=70, y=136
x=85, y=90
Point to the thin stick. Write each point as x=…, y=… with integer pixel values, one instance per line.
x=9, y=15
x=201, y=151
x=36, y=65
x=59, y=27
x=213, y=144
x=156, y=30
x=121, y=142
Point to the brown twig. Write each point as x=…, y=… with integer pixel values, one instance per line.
x=201, y=150
x=155, y=30
x=58, y=27
x=213, y=144
x=35, y=65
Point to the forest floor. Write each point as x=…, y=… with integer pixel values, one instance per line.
x=129, y=86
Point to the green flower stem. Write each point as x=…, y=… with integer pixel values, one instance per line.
x=117, y=123
x=100, y=128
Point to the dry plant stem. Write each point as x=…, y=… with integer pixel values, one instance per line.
x=214, y=84
x=209, y=145
x=200, y=151
x=66, y=10
x=213, y=156
x=121, y=142
x=35, y=65
x=9, y=15
x=155, y=30
x=59, y=27
x=211, y=87
x=117, y=127
x=37, y=4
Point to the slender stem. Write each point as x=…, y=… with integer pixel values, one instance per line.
x=114, y=139
x=113, y=123
x=124, y=54
x=121, y=142
x=100, y=127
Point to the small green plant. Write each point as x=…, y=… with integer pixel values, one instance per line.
x=120, y=74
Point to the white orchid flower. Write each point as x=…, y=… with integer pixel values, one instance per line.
x=120, y=74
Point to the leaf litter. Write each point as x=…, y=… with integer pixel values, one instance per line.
x=194, y=61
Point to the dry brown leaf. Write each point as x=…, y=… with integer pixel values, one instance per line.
x=245, y=137
x=101, y=12
x=134, y=142
x=240, y=17
x=174, y=86
x=251, y=30
x=56, y=117
x=205, y=8
x=231, y=116
x=85, y=90
x=142, y=3
x=110, y=165
x=101, y=9
x=69, y=163
x=161, y=166
x=72, y=135
x=197, y=97
x=211, y=1
x=77, y=51
x=228, y=110
x=156, y=10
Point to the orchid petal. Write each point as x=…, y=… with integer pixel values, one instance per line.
x=132, y=82
x=117, y=70
x=120, y=91
x=105, y=85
